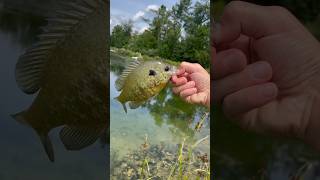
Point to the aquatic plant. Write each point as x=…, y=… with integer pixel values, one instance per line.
x=184, y=162
x=159, y=161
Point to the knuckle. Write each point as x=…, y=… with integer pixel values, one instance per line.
x=278, y=10
x=197, y=65
x=233, y=6
x=183, y=64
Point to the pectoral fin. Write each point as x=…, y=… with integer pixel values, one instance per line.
x=75, y=138
x=135, y=104
x=46, y=142
x=124, y=107
x=122, y=103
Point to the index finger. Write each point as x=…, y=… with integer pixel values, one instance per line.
x=178, y=81
x=252, y=20
x=186, y=67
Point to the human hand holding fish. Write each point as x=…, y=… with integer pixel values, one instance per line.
x=267, y=71
x=192, y=83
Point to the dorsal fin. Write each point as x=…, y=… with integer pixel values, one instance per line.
x=122, y=78
x=31, y=64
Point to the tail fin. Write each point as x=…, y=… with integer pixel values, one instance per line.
x=45, y=140
x=123, y=104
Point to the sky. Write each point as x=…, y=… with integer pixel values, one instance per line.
x=123, y=10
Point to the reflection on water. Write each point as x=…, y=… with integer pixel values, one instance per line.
x=165, y=119
x=21, y=148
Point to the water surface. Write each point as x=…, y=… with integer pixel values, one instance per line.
x=165, y=119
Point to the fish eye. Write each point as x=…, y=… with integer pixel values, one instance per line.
x=166, y=68
x=152, y=72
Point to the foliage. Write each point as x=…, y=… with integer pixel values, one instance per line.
x=179, y=33
x=121, y=34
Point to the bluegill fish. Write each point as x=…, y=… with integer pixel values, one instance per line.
x=68, y=69
x=142, y=80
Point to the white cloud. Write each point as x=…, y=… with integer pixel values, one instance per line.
x=119, y=16
x=152, y=7
x=143, y=29
x=138, y=15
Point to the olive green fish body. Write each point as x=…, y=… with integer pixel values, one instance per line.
x=143, y=80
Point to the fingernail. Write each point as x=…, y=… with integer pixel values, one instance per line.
x=269, y=91
x=261, y=70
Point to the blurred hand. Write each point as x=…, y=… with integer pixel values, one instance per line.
x=192, y=83
x=266, y=71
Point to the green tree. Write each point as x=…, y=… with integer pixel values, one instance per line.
x=158, y=26
x=145, y=43
x=197, y=26
x=179, y=33
x=121, y=34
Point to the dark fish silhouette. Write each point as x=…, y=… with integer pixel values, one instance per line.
x=68, y=69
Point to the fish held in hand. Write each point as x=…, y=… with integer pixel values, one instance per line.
x=142, y=80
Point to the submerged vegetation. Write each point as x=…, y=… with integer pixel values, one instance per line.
x=185, y=160
x=161, y=162
x=179, y=33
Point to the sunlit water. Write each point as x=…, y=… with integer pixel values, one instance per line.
x=22, y=156
x=165, y=119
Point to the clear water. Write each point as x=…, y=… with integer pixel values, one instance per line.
x=22, y=156
x=166, y=118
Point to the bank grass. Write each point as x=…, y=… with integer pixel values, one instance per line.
x=128, y=54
